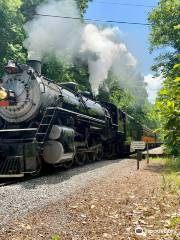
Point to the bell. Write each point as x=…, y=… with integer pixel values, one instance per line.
x=11, y=67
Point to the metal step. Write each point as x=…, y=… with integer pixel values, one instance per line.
x=11, y=167
x=47, y=120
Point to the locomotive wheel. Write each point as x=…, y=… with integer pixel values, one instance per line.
x=80, y=159
x=92, y=157
x=95, y=156
x=38, y=170
x=68, y=164
x=99, y=154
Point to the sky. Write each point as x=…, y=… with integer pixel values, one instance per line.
x=134, y=36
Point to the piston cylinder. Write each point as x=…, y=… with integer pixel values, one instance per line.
x=60, y=148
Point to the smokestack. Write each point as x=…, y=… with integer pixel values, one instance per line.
x=35, y=64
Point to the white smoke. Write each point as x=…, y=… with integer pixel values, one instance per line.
x=60, y=35
x=154, y=84
x=109, y=53
x=101, y=48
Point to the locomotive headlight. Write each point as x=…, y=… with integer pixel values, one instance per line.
x=3, y=94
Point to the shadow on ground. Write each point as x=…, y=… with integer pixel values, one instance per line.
x=60, y=174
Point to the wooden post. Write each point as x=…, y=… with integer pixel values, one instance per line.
x=147, y=156
x=138, y=158
x=139, y=154
x=138, y=146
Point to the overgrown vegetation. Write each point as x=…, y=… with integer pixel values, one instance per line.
x=165, y=34
x=170, y=173
x=56, y=237
x=13, y=15
x=136, y=105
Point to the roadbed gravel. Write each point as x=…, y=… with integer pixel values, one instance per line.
x=111, y=201
x=18, y=199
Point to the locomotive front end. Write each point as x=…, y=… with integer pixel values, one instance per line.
x=42, y=122
x=21, y=91
x=6, y=97
x=21, y=96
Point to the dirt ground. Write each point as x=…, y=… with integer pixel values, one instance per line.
x=139, y=206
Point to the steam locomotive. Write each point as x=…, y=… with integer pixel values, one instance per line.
x=45, y=123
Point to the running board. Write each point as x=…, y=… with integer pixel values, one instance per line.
x=90, y=149
x=20, y=175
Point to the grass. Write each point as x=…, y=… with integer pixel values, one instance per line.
x=170, y=172
x=171, y=183
x=56, y=237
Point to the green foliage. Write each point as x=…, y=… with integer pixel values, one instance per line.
x=170, y=173
x=165, y=25
x=140, y=109
x=145, y=113
x=168, y=104
x=11, y=32
x=56, y=237
x=121, y=98
x=13, y=15
x=54, y=68
x=62, y=71
x=28, y=7
x=165, y=33
x=82, y=4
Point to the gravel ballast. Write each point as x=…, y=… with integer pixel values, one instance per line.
x=110, y=206
x=18, y=199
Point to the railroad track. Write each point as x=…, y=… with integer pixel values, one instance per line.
x=10, y=181
x=53, y=171
x=4, y=182
x=7, y=182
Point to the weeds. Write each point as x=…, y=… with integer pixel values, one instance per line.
x=56, y=237
x=171, y=173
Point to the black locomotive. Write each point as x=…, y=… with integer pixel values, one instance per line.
x=42, y=122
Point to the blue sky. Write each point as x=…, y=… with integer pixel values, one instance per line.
x=134, y=36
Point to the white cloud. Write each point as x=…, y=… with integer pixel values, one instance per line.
x=154, y=84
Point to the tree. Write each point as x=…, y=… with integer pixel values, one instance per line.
x=54, y=68
x=13, y=15
x=11, y=32
x=165, y=34
x=28, y=7
x=61, y=71
x=129, y=101
x=165, y=25
x=168, y=104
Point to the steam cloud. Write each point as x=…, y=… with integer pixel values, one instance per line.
x=101, y=48
x=154, y=84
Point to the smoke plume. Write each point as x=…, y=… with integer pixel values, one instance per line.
x=154, y=84
x=60, y=35
x=100, y=48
